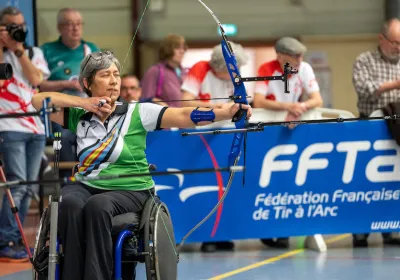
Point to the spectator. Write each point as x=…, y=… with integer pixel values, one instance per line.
x=64, y=57
x=210, y=79
x=22, y=140
x=377, y=83
x=130, y=88
x=376, y=72
x=271, y=95
x=162, y=82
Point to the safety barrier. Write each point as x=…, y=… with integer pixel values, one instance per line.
x=328, y=178
x=312, y=180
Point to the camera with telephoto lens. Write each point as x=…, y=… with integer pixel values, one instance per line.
x=17, y=32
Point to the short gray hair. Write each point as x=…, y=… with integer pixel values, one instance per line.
x=9, y=11
x=94, y=62
x=217, y=61
x=61, y=14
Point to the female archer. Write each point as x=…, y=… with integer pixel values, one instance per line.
x=111, y=140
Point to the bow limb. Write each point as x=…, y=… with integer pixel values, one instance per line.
x=213, y=210
x=240, y=118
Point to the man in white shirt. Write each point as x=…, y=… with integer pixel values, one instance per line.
x=210, y=79
x=22, y=140
x=271, y=95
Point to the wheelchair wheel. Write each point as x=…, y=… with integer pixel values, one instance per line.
x=162, y=261
x=41, y=250
x=40, y=258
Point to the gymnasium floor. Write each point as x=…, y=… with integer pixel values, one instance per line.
x=252, y=261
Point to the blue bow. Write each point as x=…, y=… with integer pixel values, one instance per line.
x=240, y=118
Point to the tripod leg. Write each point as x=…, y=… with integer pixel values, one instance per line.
x=14, y=210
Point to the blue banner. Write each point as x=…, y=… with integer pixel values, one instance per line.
x=26, y=7
x=321, y=178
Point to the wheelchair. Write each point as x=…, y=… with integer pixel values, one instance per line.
x=145, y=237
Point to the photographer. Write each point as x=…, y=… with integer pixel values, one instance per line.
x=22, y=140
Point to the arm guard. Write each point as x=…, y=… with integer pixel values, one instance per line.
x=202, y=116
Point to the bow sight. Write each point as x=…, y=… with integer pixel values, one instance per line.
x=288, y=70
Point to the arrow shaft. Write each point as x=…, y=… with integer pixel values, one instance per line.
x=28, y=114
x=71, y=180
x=258, y=127
x=195, y=99
x=333, y=120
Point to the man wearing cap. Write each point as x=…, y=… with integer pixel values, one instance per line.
x=271, y=95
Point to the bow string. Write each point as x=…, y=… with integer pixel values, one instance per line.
x=240, y=118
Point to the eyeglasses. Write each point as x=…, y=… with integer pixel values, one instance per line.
x=393, y=43
x=99, y=57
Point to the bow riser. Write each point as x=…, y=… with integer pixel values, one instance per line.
x=239, y=97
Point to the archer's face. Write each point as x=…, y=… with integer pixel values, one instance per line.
x=107, y=82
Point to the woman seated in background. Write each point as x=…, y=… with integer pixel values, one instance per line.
x=162, y=81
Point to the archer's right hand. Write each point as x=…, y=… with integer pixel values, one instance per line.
x=97, y=106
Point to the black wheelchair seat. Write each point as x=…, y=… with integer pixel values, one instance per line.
x=125, y=221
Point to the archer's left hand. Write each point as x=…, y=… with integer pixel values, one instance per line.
x=235, y=107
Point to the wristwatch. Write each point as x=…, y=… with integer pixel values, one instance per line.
x=18, y=53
